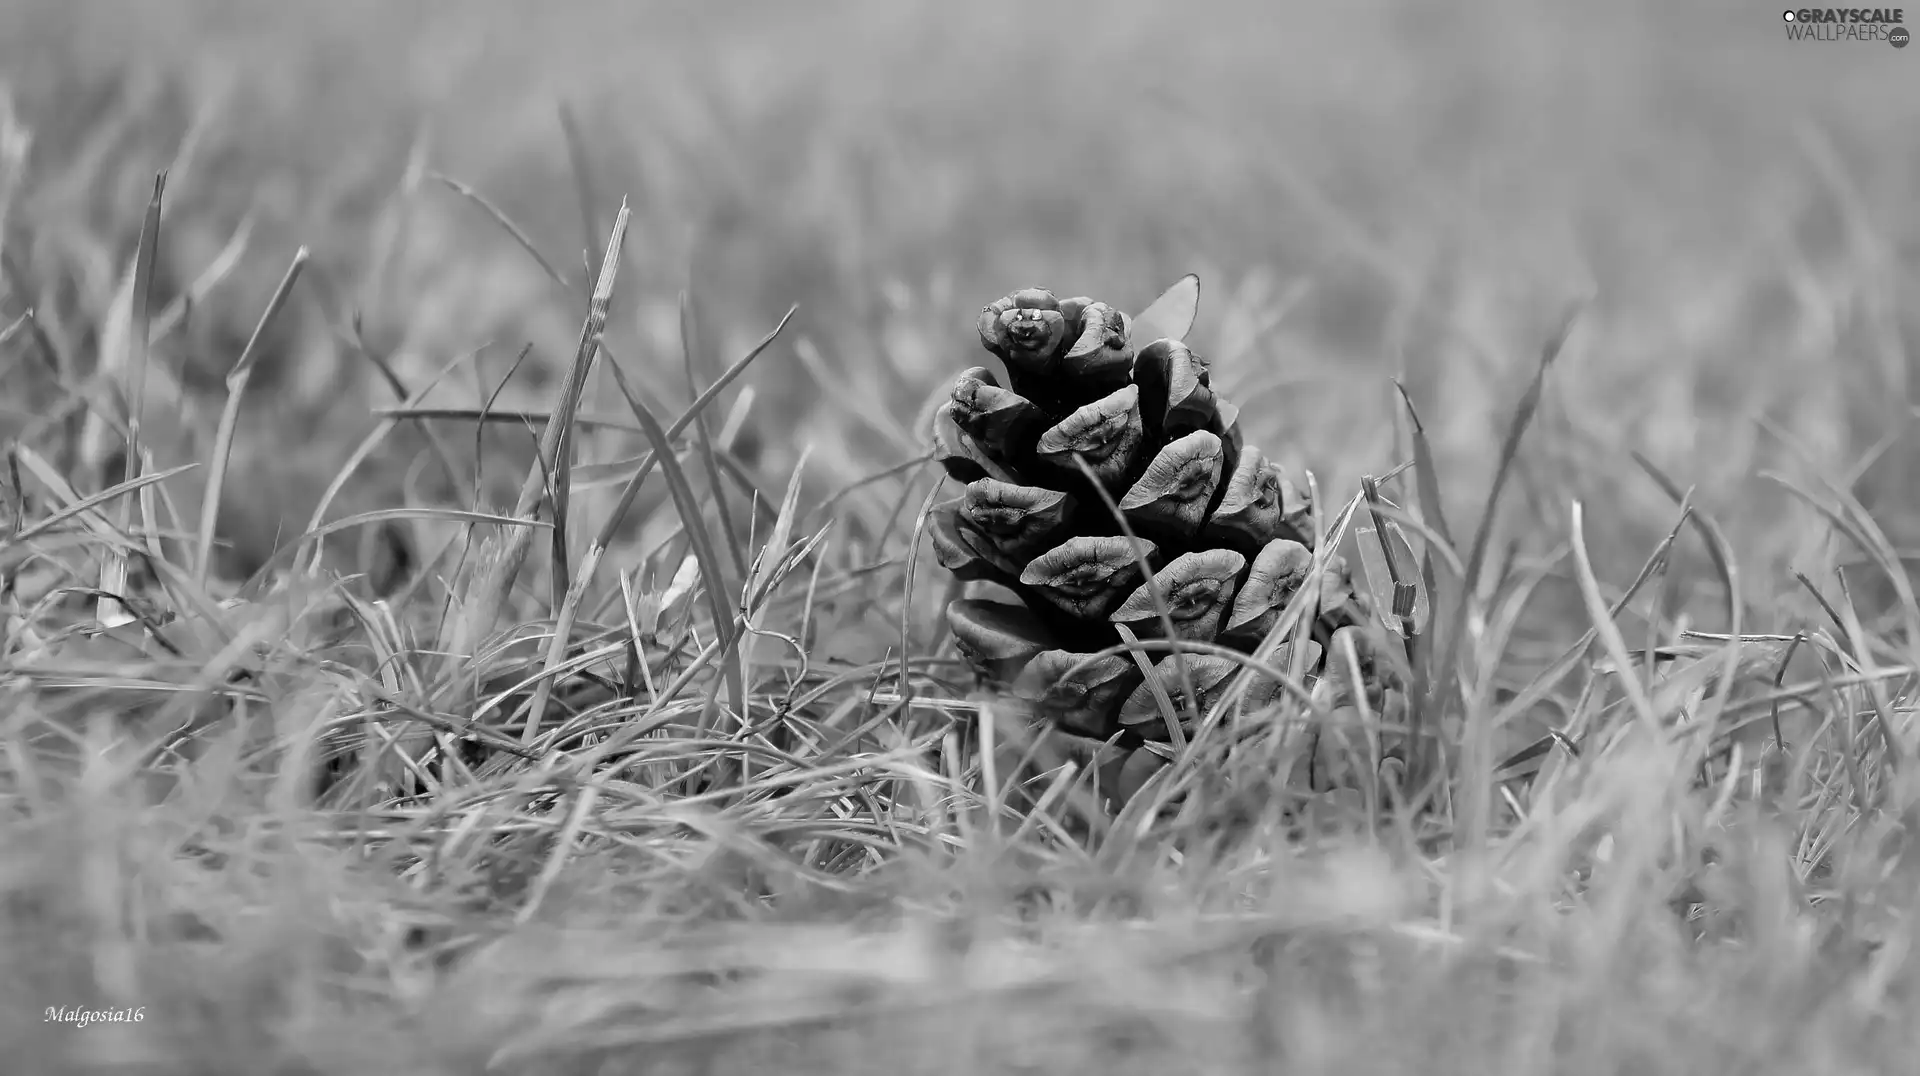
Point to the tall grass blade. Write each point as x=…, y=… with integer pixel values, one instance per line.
x=237, y=380
x=113, y=567
x=585, y=194
x=483, y=606
x=568, y=606
x=693, y=521
x=507, y=225
x=1720, y=553
x=1444, y=679
x=1443, y=682
x=1603, y=625
x=703, y=435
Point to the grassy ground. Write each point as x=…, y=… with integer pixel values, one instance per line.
x=235, y=831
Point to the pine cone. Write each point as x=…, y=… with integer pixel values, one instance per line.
x=1226, y=535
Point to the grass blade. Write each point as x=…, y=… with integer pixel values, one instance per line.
x=1603, y=625
x=481, y=608
x=1443, y=681
x=694, y=523
x=506, y=224
x=113, y=567
x=230, y=418
x=584, y=194
x=82, y=505
x=1720, y=552
x=1426, y=474
x=1536, y=690
x=703, y=437
x=610, y=527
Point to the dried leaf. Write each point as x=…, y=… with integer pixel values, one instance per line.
x=1170, y=317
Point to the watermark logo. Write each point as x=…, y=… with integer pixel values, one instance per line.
x=1848, y=24
x=78, y=1017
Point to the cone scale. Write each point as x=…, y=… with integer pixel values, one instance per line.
x=1095, y=413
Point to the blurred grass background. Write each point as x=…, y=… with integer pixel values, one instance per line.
x=1369, y=190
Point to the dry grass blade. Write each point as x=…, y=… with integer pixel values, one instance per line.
x=826, y=504
x=1161, y=610
x=1426, y=474
x=703, y=437
x=1839, y=622
x=1603, y=625
x=1444, y=683
x=448, y=515
x=73, y=504
x=481, y=609
x=910, y=579
x=1402, y=606
x=365, y=449
x=520, y=237
x=1435, y=550
x=859, y=399
x=585, y=799
x=15, y=327
x=84, y=505
x=557, y=441
x=1882, y=553
x=103, y=530
x=1720, y=552
x=1170, y=717
x=693, y=522
x=767, y=562
x=506, y=224
x=761, y=578
x=699, y=406
x=499, y=416
x=391, y=228
x=569, y=604
x=230, y=418
x=1542, y=684
x=1443, y=680
x=1863, y=660
x=391, y=378
x=585, y=196
x=113, y=566
x=1853, y=519
x=1854, y=651
x=174, y=314
x=1296, y=617
x=1715, y=543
